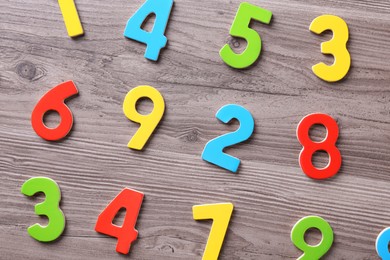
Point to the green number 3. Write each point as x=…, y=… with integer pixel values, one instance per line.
x=240, y=28
x=298, y=237
x=49, y=208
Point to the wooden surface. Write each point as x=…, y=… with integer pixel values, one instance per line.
x=270, y=192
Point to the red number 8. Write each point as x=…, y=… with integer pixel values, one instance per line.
x=54, y=100
x=310, y=147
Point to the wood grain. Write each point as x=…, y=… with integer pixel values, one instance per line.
x=270, y=192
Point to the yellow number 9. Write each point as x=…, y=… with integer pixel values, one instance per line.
x=337, y=47
x=148, y=122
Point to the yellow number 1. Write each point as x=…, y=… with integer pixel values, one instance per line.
x=71, y=18
x=337, y=47
x=220, y=214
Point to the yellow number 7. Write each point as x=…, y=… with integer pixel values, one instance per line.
x=337, y=47
x=220, y=214
x=71, y=18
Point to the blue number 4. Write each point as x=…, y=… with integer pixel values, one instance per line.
x=154, y=40
x=213, y=151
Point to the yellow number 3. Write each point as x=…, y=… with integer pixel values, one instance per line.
x=337, y=47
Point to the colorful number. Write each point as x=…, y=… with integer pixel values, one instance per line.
x=49, y=208
x=147, y=122
x=213, y=151
x=298, y=237
x=220, y=214
x=54, y=100
x=328, y=145
x=154, y=40
x=240, y=28
x=130, y=200
x=382, y=244
x=337, y=47
x=71, y=18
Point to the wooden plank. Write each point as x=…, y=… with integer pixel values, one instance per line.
x=270, y=193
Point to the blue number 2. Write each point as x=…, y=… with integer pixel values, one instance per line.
x=382, y=244
x=213, y=151
x=154, y=40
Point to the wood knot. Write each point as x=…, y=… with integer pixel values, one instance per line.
x=26, y=70
x=192, y=135
x=167, y=248
x=29, y=71
x=233, y=42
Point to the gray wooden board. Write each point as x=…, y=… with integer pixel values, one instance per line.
x=270, y=192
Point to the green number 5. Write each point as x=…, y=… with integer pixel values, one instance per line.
x=240, y=28
x=49, y=208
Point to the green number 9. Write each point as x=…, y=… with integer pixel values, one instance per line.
x=49, y=208
x=298, y=237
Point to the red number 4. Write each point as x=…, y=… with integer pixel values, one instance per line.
x=131, y=200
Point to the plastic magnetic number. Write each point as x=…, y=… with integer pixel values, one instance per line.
x=131, y=200
x=154, y=40
x=310, y=147
x=382, y=244
x=71, y=18
x=54, y=100
x=213, y=151
x=49, y=208
x=337, y=47
x=147, y=122
x=298, y=237
x=220, y=214
x=240, y=28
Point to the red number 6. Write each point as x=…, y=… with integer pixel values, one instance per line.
x=54, y=100
x=310, y=147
